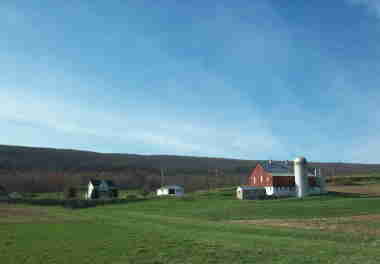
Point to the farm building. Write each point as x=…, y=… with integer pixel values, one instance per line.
x=250, y=192
x=101, y=189
x=174, y=190
x=15, y=195
x=278, y=179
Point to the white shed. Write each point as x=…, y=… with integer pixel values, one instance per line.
x=15, y=195
x=250, y=192
x=174, y=190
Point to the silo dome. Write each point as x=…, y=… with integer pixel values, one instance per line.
x=300, y=160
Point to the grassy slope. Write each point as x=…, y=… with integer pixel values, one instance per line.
x=192, y=230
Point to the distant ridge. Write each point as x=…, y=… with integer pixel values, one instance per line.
x=51, y=158
x=35, y=169
x=36, y=157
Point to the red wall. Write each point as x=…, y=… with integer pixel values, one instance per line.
x=283, y=181
x=259, y=177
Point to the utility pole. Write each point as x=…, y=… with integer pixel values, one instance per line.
x=162, y=177
x=184, y=181
x=207, y=179
x=216, y=178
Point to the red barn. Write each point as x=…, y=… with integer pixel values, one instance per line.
x=277, y=178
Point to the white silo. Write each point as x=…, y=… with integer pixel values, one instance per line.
x=300, y=173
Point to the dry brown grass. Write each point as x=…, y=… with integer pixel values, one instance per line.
x=361, y=224
x=12, y=214
x=370, y=189
x=31, y=214
x=10, y=210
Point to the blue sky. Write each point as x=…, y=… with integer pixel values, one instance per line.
x=248, y=79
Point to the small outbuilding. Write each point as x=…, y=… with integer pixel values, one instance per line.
x=250, y=193
x=101, y=189
x=173, y=190
x=15, y=195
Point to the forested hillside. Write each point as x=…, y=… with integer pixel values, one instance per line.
x=46, y=169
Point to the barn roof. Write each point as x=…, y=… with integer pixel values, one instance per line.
x=280, y=168
x=248, y=188
x=277, y=168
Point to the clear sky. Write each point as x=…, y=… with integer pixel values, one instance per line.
x=237, y=79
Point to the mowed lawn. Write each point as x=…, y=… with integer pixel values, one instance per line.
x=207, y=227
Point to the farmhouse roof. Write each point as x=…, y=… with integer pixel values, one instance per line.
x=95, y=182
x=110, y=183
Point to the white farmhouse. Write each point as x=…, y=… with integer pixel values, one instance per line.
x=174, y=190
x=100, y=189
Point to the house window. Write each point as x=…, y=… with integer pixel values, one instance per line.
x=95, y=194
x=254, y=180
x=261, y=178
x=171, y=191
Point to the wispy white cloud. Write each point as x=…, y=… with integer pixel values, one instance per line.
x=186, y=118
x=11, y=16
x=373, y=6
x=159, y=95
x=366, y=150
x=168, y=135
x=357, y=117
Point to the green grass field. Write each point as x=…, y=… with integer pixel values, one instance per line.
x=205, y=227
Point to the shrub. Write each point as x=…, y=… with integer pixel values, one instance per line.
x=115, y=193
x=71, y=192
x=77, y=204
x=131, y=197
x=30, y=195
x=146, y=190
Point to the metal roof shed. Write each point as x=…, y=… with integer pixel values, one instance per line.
x=173, y=190
x=250, y=192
